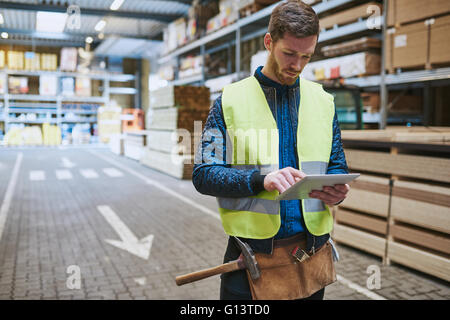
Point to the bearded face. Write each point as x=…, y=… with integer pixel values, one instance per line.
x=287, y=57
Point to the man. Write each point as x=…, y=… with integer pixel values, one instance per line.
x=305, y=134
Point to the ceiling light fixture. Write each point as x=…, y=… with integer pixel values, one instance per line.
x=116, y=4
x=89, y=40
x=100, y=25
x=50, y=21
x=5, y=35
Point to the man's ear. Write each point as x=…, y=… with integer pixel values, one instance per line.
x=268, y=43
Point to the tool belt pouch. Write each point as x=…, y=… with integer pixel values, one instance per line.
x=284, y=277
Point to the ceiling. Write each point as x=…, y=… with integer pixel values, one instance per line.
x=135, y=19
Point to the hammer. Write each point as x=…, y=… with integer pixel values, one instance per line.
x=245, y=261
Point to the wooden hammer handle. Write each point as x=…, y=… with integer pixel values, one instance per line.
x=205, y=273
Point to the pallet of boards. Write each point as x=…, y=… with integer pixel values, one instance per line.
x=175, y=121
x=134, y=144
x=419, y=234
x=171, y=141
x=362, y=218
x=406, y=11
x=172, y=164
x=399, y=209
x=418, y=45
x=350, y=15
x=352, y=46
x=352, y=65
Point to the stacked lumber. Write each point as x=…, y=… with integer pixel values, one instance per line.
x=175, y=122
x=348, y=16
x=134, y=144
x=399, y=209
x=352, y=46
x=352, y=65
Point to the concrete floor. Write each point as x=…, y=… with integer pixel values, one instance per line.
x=83, y=223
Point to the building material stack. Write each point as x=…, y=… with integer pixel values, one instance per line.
x=171, y=138
x=418, y=34
x=353, y=58
x=399, y=209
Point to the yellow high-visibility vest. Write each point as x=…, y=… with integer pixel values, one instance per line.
x=252, y=142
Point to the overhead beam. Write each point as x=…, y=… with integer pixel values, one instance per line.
x=166, y=18
x=63, y=35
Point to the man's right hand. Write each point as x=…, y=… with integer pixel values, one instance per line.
x=282, y=179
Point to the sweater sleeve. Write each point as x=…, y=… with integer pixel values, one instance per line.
x=212, y=175
x=337, y=163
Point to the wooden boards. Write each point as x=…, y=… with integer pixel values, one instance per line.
x=404, y=190
x=420, y=260
x=358, y=239
x=174, y=126
x=349, y=15
x=423, y=167
x=369, y=194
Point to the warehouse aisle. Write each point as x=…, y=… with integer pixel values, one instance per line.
x=87, y=224
x=54, y=222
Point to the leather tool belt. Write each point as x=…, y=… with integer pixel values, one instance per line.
x=290, y=272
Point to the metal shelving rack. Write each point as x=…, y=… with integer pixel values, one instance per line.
x=252, y=26
x=14, y=103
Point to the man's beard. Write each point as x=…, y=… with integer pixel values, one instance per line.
x=276, y=70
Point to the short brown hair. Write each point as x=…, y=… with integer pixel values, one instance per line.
x=294, y=17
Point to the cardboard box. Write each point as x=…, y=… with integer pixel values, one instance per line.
x=357, y=64
x=404, y=11
x=83, y=86
x=407, y=46
x=2, y=59
x=439, y=44
x=18, y=85
x=49, y=61
x=349, y=15
x=69, y=59
x=32, y=61
x=48, y=85
x=15, y=60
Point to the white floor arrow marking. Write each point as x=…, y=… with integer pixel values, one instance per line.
x=89, y=173
x=63, y=175
x=67, y=163
x=113, y=172
x=130, y=242
x=37, y=175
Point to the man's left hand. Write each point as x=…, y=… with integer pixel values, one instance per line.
x=331, y=195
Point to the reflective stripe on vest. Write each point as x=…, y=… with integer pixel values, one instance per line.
x=254, y=145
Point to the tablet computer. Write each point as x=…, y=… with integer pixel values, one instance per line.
x=302, y=188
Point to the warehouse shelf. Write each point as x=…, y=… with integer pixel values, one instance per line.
x=122, y=90
x=79, y=111
x=38, y=121
x=91, y=75
x=78, y=120
x=32, y=110
x=189, y=80
x=343, y=31
x=247, y=22
x=401, y=78
x=84, y=99
x=32, y=105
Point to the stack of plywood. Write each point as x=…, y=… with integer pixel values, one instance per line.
x=174, y=126
x=134, y=144
x=418, y=33
x=350, y=15
x=399, y=209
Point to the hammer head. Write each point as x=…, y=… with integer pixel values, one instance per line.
x=249, y=259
